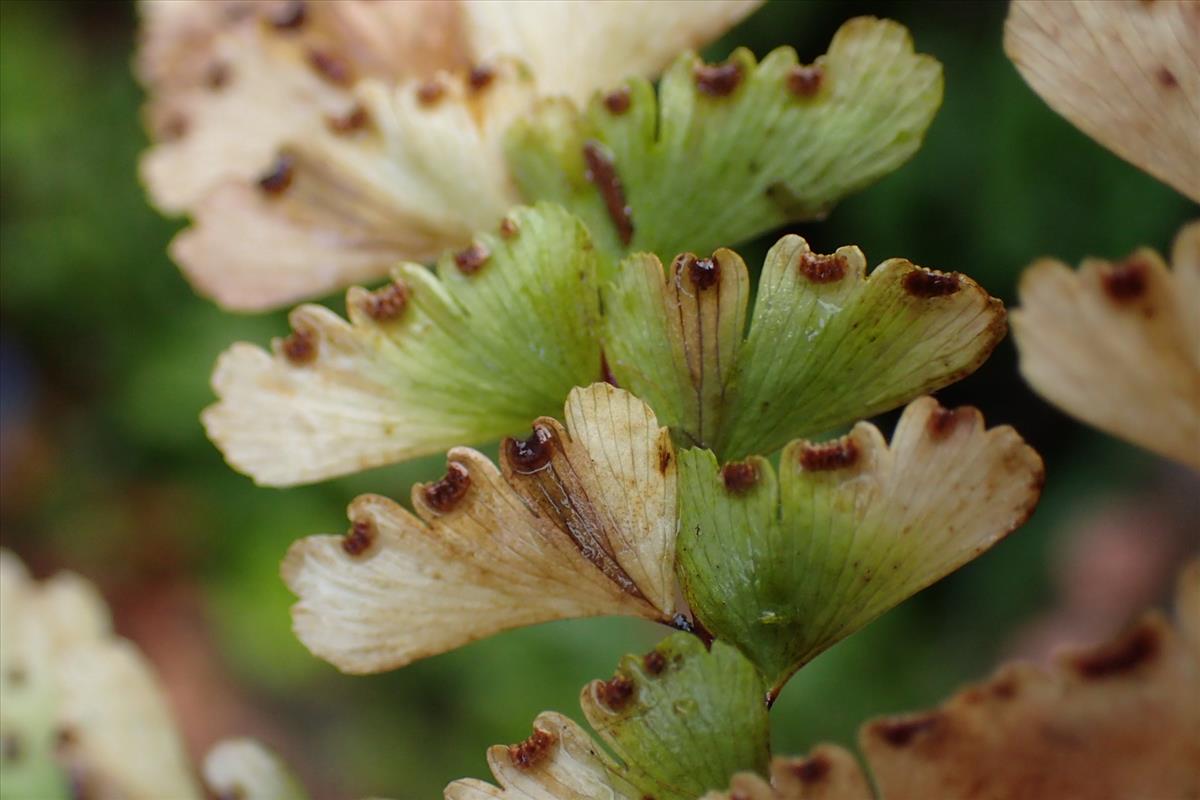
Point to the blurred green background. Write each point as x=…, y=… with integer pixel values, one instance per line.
x=105, y=354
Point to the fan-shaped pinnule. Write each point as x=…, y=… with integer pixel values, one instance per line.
x=784, y=567
x=1125, y=72
x=498, y=336
x=675, y=723
x=315, y=144
x=579, y=520
x=722, y=153
x=83, y=711
x=1117, y=344
x=827, y=345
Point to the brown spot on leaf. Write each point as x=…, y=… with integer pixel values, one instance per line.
x=602, y=174
x=805, y=81
x=353, y=120
x=217, y=76
x=1128, y=652
x=718, y=80
x=508, y=228
x=664, y=458
x=899, y=733
x=812, y=770
x=944, y=421
x=471, y=260
x=447, y=493
x=480, y=77
x=820, y=268
x=291, y=17
x=654, y=662
x=332, y=67
x=300, y=347
x=533, y=751
x=1166, y=78
x=430, y=92
x=928, y=283
x=533, y=454
x=838, y=454
x=388, y=303
x=1126, y=280
x=278, y=178
x=703, y=272
x=617, y=101
x=739, y=476
x=615, y=693
x=552, y=489
x=359, y=538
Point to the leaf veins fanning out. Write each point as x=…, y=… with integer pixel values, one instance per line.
x=579, y=520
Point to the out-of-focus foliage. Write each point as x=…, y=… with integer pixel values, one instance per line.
x=104, y=364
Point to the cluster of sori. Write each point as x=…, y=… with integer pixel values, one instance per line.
x=683, y=461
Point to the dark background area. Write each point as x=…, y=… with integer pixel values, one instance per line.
x=105, y=354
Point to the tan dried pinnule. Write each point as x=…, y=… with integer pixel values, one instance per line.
x=828, y=773
x=559, y=761
x=578, y=521
x=1126, y=72
x=317, y=143
x=1118, y=344
x=1113, y=722
x=78, y=700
